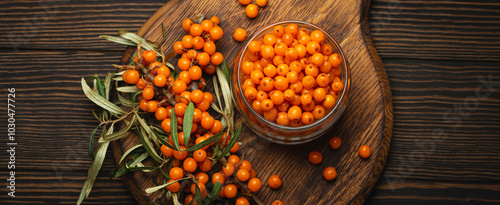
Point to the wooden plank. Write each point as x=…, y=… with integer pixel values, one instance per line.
x=458, y=30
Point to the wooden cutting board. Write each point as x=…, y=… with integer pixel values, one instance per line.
x=367, y=119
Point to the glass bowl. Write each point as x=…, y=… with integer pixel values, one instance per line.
x=287, y=134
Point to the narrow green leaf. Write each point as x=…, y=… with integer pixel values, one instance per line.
x=173, y=129
x=205, y=143
x=91, y=142
x=117, y=135
x=156, y=188
x=138, y=160
x=188, y=122
x=148, y=146
x=118, y=40
x=135, y=96
x=128, y=89
x=225, y=69
x=122, y=170
x=148, y=45
x=197, y=194
x=98, y=84
x=124, y=101
x=100, y=101
x=231, y=143
x=215, y=190
x=128, y=152
x=162, y=140
x=107, y=85
x=217, y=94
x=132, y=169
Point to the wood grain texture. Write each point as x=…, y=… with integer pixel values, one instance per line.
x=368, y=118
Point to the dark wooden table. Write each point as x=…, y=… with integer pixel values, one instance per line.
x=442, y=59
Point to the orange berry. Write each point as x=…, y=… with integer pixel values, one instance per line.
x=318, y=36
x=254, y=46
x=216, y=33
x=274, y=181
x=132, y=77
x=205, y=166
x=329, y=101
x=315, y=157
x=279, y=31
x=176, y=173
x=195, y=73
x=196, y=96
x=335, y=142
x=181, y=155
x=254, y=185
x=307, y=118
x=160, y=80
x=216, y=127
x=242, y=201
x=267, y=105
x=178, y=47
x=202, y=188
x=228, y=169
x=207, y=122
x=187, y=41
x=233, y=159
x=218, y=177
x=202, y=177
x=216, y=58
x=190, y=165
x=165, y=125
x=244, y=164
x=313, y=47
x=364, y=151
x=161, y=113
x=276, y=202
x=277, y=97
x=267, y=52
x=308, y=82
x=215, y=19
x=207, y=25
x=230, y=191
x=196, y=30
x=148, y=93
x=291, y=54
x=200, y=155
x=294, y=113
x=239, y=34
x=179, y=86
x=335, y=60
x=235, y=148
x=292, y=29
x=168, y=152
x=318, y=112
x=179, y=109
x=326, y=49
x=186, y=24
x=337, y=86
x=329, y=174
x=247, y=67
x=252, y=10
x=243, y=175
x=282, y=119
x=174, y=187
x=149, y=56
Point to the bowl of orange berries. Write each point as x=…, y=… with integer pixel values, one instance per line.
x=291, y=82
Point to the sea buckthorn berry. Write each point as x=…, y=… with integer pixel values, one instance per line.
x=247, y=67
x=218, y=177
x=308, y=108
x=329, y=174
x=251, y=93
x=270, y=70
x=205, y=166
x=207, y=122
x=187, y=41
x=176, y=173
x=196, y=96
x=208, y=96
x=308, y=82
x=317, y=36
x=335, y=142
x=274, y=181
x=254, y=185
x=242, y=201
x=180, y=138
x=181, y=155
x=313, y=47
x=209, y=48
x=148, y=93
x=267, y=52
x=216, y=58
x=294, y=113
x=192, y=54
x=161, y=113
x=190, y=165
x=269, y=39
x=198, y=42
x=230, y=191
x=165, y=124
x=254, y=46
x=287, y=38
x=244, y=164
x=315, y=157
x=202, y=177
x=306, y=99
x=184, y=76
x=216, y=33
x=301, y=50
x=132, y=76
x=245, y=2
x=326, y=49
x=317, y=59
x=257, y=107
x=319, y=94
x=252, y=10
x=289, y=95
x=266, y=61
x=307, y=118
x=280, y=83
x=202, y=188
x=267, y=105
x=292, y=29
x=247, y=83
x=203, y=59
x=197, y=115
x=280, y=49
x=297, y=87
x=318, y=112
x=243, y=175
x=271, y=115
x=186, y=24
x=322, y=80
x=163, y=70
x=282, y=119
x=149, y=56
x=179, y=109
x=304, y=62
x=364, y=151
x=209, y=69
x=228, y=169
x=329, y=101
x=283, y=107
x=311, y=70
x=277, y=202
x=279, y=31
x=239, y=34
x=291, y=54
x=167, y=151
x=337, y=86
x=215, y=19
x=277, y=60
x=160, y=80
x=335, y=60
x=261, y=3
x=256, y=76
x=304, y=39
x=195, y=73
x=141, y=84
x=283, y=69
x=277, y=97
x=184, y=63
x=200, y=155
x=233, y=159
x=196, y=30
x=174, y=187
x=207, y=25
x=216, y=127
x=262, y=95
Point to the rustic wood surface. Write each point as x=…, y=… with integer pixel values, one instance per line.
x=367, y=119
x=435, y=54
